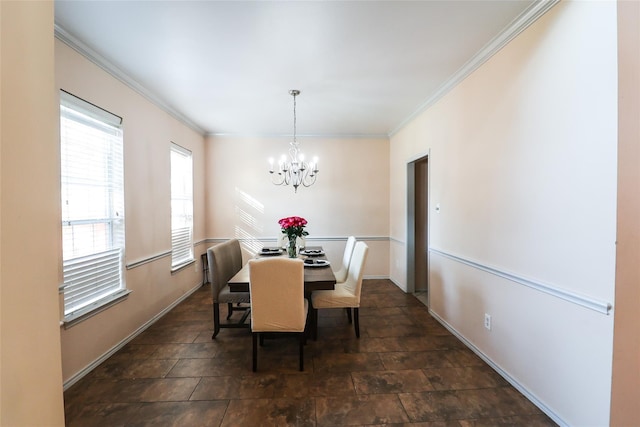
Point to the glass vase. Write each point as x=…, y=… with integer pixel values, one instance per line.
x=292, y=247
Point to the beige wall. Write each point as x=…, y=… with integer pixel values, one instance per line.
x=30, y=367
x=148, y=132
x=523, y=165
x=349, y=197
x=626, y=349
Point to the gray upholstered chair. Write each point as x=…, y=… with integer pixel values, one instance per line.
x=346, y=294
x=277, y=300
x=225, y=260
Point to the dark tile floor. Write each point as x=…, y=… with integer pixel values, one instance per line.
x=406, y=369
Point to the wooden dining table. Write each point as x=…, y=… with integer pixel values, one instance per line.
x=315, y=278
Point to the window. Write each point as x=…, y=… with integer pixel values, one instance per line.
x=92, y=206
x=181, y=207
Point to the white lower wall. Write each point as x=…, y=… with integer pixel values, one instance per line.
x=523, y=165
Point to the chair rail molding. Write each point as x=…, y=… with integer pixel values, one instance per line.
x=600, y=306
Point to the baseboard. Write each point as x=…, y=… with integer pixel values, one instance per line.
x=87, y=369
x=522, y=389
x=375, y=277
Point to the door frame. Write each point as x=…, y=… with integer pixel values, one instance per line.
x=411, y=219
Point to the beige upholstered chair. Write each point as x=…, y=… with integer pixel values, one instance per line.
x=277, y=300
x=341, y=274
x=346, y=294
x=225, y=260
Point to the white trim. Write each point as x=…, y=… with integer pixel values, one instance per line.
x=91, y=310
x=309, y=135
x=90, y=367
x=148, y=259
x=532, y=397
x=80, y=47
x=375, y=277
x=394, y=240
x=582, y=300
x=519, y=24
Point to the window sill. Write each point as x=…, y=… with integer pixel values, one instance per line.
x=182, y=266
x=99, y=306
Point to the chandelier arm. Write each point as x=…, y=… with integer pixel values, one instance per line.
x=295, y=172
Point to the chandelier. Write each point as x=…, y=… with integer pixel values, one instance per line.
x=294, y=171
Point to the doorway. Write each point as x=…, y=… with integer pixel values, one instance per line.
x=417, y=227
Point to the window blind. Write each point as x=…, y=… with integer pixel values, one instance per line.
x=92, y=190
x=181, y=206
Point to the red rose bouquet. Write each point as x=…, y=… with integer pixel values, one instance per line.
x=293, y=227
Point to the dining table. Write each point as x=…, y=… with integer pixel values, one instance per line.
x=316, y=277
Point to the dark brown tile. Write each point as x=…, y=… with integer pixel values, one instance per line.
x=463, y=357
x=102, y=414
x=381, y=345
x=436, y=406
x=135, y=351
x=380, y=311
x=415, y=359
x=423, y=424
x=270, y=412
x=431, y=343
x=163, y=336
x=347, y=362
x=391, y=330
x=360, y=410
x=520, y=420
x=136, y=368
x=186, y=351
x=152, y=390
x=331, y=384
x=464, y=378
x=179, y=414
x=405, y=370
x=466, y=404
x=385, y=382
x=217, y=367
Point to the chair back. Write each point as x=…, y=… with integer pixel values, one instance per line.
x=276, y=286
x=356, y=270
x=341, y=274
x=225, y=260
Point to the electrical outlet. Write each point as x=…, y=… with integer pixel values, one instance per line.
x=487, y=321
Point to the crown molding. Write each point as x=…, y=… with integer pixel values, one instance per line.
x=84, y=50
x=515, y=27
x=309, y=136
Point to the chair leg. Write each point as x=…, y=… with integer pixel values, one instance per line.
x=302, y=351
x=348, y=310
x=229, y=310
x=216, y=320
x=255, y=351
x=314, y=326
x=356, y=321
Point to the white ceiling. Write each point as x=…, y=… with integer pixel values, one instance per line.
x=226, y=67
